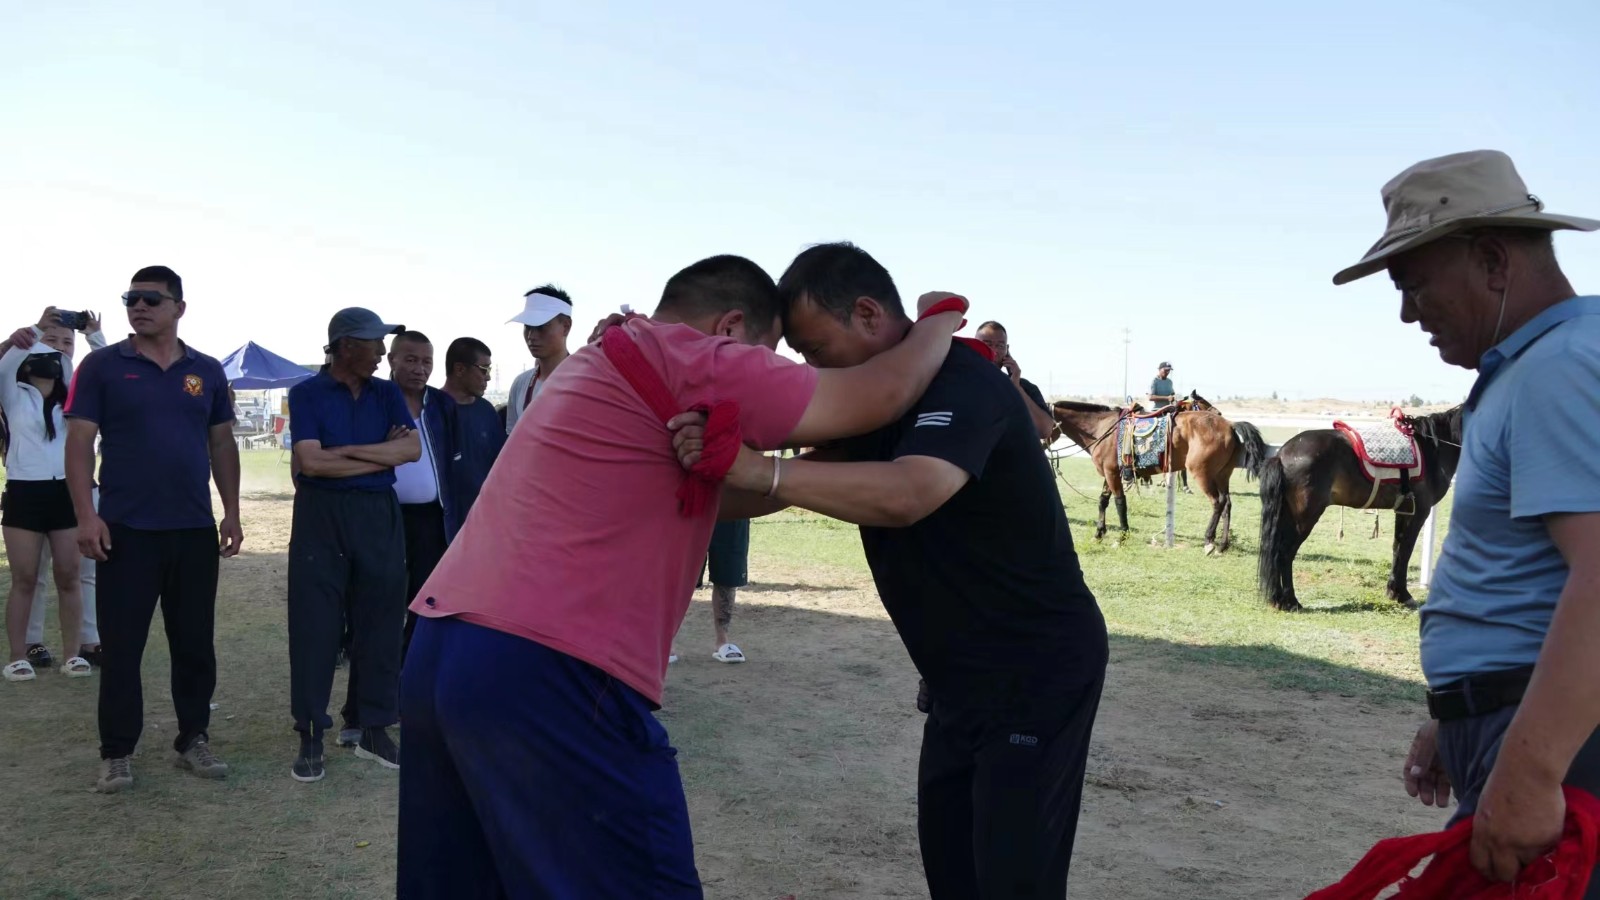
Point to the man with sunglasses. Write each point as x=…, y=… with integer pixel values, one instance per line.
x=350, y=431
x=165, y=423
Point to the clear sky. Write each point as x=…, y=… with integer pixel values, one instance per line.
x=1194, y=172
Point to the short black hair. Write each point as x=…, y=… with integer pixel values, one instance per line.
x=415, y=337
x=164, y=275
x=550, y=289
x=720, y=284
x=995, y=325
x=833, y=276
x=464, y=351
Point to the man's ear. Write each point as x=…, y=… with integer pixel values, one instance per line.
x=1493, y=255
x=870, y=313
x=730, y=324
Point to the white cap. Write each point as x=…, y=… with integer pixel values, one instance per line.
x=538, y=309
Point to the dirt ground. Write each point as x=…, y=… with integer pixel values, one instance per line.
x=799, y=765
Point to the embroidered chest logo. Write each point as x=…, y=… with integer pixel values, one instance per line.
x=933, y=419
x=193, y=385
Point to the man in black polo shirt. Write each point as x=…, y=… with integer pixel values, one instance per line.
x=994, y=336
x=968, y=544
x=347, y=548
x=165, y=422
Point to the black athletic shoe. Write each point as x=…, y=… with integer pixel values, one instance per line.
x=377, y=746
x=308, y=765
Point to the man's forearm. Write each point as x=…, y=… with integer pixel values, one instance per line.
x=225, y=469
x=739, y=504
x=868, y=493
x=80, y=473
x=1561, y=708
x=390, y=454
x=328, y=464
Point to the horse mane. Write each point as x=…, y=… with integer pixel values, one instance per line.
x=1435, y=429
x=1072, y=406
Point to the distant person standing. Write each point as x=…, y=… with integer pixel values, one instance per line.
x=475, y=428
x=417, y=487
x=1162, y=393
x=350, y=430
x=52, y=334
x=994, y=336
x=37, y=506
x=162, y=414
x=728, y=567
x=546, y=320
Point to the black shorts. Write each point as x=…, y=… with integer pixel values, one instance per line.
x=42, y=506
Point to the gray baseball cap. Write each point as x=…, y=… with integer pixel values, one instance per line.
x=361, y=324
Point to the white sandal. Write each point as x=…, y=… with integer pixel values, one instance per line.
x=729, y=653
x=77, y=667
x=21, y=670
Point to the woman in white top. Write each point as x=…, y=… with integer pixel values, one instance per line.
x=37, y=506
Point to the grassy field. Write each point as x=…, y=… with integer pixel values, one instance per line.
x=797, y=763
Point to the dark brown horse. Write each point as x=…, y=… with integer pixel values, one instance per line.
x=1204, y=444
x=1318, y=469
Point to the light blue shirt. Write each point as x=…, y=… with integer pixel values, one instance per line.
x=1531, y=448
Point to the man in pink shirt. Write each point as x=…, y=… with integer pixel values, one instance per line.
x=534, y=765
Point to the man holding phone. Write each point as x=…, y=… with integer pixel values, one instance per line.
x=162, y=413
x=347, y=546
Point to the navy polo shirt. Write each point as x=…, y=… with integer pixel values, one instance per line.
x=323, y=410
x=155, y=430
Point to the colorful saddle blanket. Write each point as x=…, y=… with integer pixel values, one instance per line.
x=1385, y=449
x=1142, y=441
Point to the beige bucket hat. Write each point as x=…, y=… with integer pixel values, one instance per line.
x=1440, y=196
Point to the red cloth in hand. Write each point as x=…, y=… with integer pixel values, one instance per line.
x=698, y=490
x=960, y=305
x=1563, y=874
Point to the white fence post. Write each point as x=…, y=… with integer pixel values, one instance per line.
x=1172, y=499
x=1428, y=529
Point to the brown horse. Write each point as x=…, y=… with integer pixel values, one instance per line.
x=1204, y=444
x=1317, y=469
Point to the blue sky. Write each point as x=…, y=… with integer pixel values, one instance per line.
x=1194, y=172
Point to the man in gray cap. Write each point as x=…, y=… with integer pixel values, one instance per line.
x=1162, y=394
x=1513, y=616
x=347, y=547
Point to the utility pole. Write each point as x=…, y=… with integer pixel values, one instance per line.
x=1127, y=338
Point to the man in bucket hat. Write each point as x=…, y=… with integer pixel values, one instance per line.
x=347, y=545
x=1511, y=623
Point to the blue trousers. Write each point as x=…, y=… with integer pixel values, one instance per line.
x=528, y=773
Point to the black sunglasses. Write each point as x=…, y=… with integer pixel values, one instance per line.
x=150, y=298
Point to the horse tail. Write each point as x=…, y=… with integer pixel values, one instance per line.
x=1255, y=448
x=1279, y=536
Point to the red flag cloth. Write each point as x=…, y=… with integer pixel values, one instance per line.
x=698, y=490
x=1562, y=874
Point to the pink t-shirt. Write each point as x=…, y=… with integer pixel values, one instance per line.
x=575, y=540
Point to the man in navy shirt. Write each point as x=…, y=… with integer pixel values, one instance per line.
x=969, y=548
x=165, y=421
x=347, y=545
x=475, y=435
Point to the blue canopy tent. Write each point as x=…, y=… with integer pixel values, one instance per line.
x=255, y=368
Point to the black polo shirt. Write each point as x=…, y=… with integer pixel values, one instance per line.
x=986, y=592
x=322, y=409
x=1032, y=390
x=155, y=429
